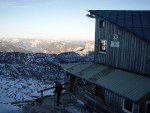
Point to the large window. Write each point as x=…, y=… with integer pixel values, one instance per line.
x=102, y=46
x=99, y=92
x=128, y=106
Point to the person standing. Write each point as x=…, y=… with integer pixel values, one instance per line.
x=58, y=91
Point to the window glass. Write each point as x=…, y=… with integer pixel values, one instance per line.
x=103, y=46
x=101, y=23
x=128, y=105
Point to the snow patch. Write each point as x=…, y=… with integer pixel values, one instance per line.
x=21, y=89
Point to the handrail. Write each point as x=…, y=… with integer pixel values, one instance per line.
x=41, y=91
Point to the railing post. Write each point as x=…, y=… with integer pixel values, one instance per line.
x=41, y=94
x=41, y=91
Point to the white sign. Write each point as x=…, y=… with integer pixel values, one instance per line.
x=114, y=43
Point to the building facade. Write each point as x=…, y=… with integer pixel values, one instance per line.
x=122, y=40
x=118, y=79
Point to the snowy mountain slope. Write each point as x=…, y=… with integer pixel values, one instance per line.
x=5, y=47
x=44, y=45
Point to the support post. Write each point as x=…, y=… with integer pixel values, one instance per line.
x=41, y=94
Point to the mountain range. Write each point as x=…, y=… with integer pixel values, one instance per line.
x=48, y=46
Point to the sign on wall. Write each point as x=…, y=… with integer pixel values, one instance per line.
x=114, y=43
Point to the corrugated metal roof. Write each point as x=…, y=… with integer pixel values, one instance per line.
x=129, y=85
x=137, y=22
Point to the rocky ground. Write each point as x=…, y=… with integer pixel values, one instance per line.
x=23, y=74
x=16, y=90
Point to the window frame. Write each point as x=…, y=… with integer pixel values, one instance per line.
x=101, y=23
x=126, y=110
x=103, y=45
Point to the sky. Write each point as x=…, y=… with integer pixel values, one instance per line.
x=57, y=18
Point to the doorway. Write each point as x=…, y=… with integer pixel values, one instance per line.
x=73, y=84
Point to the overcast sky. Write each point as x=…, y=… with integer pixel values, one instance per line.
x=56, y=18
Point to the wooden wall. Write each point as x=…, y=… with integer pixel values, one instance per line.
x=143, y=102
x=116, y=102
x=112, y=102
x=133, y=53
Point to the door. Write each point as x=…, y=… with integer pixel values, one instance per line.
x=72, y=84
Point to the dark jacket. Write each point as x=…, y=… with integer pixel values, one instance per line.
x=58, y=88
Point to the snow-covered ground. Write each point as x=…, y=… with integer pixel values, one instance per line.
x=20, y=90
x=7, y=108
x=14, y=90
x=78, y=107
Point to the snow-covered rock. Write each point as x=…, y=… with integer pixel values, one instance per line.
x=23, y=74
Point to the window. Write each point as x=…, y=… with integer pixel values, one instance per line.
x=147, y=107
x=101, y=23
x=89, y=87
x=103, y=46
x=99, y=92
x=80, y=82
x=127, y=106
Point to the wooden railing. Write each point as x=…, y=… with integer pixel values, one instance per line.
x=41, y=91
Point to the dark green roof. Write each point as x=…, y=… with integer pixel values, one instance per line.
x=137, y=22
x=128, y=85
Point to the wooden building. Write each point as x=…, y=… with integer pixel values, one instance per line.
x=118, y=81
x=123, y=40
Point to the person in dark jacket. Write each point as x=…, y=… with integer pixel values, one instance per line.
x=58, y=91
